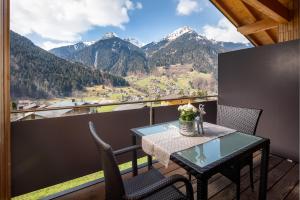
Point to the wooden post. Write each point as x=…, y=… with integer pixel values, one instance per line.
x=5, y=182
x=149, y=158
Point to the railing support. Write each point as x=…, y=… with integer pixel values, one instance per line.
x=134, y=157
x=151, y=122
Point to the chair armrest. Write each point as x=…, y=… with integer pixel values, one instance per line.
x=126, y=150
x=162, y=184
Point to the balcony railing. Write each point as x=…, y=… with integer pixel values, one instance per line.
x=45, y=112
x=54, y=150
x=116, y=103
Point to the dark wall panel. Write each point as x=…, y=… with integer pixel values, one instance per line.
x=266, y=78
x=50, y=151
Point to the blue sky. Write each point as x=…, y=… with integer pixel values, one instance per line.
x=158, y=18
x=51, y=23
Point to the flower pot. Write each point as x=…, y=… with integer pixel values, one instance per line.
x=187, y=128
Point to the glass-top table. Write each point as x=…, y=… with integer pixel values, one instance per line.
x=205, y=160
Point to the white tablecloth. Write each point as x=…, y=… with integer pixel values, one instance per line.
x=163, y=144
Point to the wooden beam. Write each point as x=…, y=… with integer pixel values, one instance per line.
x=5, y=167
x=233, y=19
x=226, y=12
x=253, y=19
x=262, y=25
x=271, y=8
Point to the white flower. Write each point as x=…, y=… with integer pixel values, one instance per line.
x=179, y=108
x=190, y=105
x=187, y=108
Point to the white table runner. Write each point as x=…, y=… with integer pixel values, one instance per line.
x=163, y=144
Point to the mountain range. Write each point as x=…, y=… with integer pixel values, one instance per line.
x=36, y=73
x=127, y=56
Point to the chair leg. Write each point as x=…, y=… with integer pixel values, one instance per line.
x=190, y=176
x=238, y=185
x=251, y=176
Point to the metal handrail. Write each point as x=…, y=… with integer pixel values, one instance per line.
x=110, y=104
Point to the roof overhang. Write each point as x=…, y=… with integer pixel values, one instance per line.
x=257, y=20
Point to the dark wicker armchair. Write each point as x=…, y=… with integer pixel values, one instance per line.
x=149, y=185
x=244, y=120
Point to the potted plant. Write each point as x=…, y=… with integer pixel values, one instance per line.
x=188, y=114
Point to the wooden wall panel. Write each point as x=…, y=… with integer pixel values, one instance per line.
x=4, y=102
x=291, y=30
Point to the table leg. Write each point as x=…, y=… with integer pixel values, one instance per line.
x=202, y=185
x=264, y=172
x=134, y=157
x=149, y=162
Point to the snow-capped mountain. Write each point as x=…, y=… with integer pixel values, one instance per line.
x=186, y=46
x=66, y=51
x=134, y=41
x=89, y=43
x=113, y=54
x=179, y=32
x=126, y=56
x=109, y=35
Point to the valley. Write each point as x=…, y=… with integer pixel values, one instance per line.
x=162, y=83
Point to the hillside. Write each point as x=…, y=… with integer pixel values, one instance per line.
x=36, y=73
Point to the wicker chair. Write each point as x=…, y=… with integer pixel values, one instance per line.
x=149, y=185
x=244, y=120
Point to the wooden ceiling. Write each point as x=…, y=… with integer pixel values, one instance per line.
x=258, y=20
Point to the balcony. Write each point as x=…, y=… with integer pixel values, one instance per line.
x=48, y=154
x=40, y=143
x=51, y=151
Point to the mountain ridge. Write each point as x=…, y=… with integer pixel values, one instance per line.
x=113, y=55
x=182, y=46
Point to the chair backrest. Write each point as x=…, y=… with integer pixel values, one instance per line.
x=241, y=119
x=114, y=188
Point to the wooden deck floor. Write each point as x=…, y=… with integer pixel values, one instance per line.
x=283, y=182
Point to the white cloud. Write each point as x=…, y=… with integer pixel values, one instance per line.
x=223, y=31
x=186, y=7
x=139, y=5
x=65, y=20
x=50, y=45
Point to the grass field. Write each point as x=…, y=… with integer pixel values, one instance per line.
x=72, y=183
x=106, y=108
x=175, y=80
